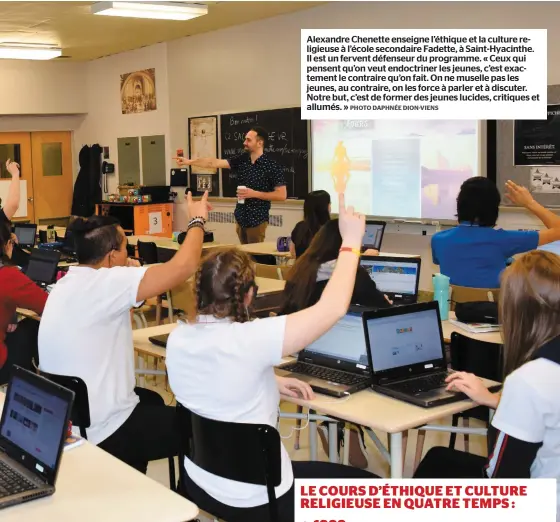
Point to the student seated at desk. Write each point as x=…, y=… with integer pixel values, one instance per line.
x=221, y=366
x=311, y=273
x=86, y=332
x=525, y=430
x=316, y=212
x=18, y=341
x=474, y=253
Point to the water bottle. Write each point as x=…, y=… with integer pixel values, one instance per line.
x=441, y=294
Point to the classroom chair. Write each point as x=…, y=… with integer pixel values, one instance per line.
x=148, y=253
x=79, y=416
x=474, y=356
x=236, y=451
x=264, y=259
x=463, y=294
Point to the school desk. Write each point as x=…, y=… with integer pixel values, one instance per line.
x=365, y=408
x=93, y=485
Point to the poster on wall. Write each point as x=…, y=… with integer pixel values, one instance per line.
x=545, y=180
x=138, y=91
x=203, y=141
x=537, y=142
x=203, y=183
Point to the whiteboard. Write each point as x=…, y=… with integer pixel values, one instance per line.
x=4, y=189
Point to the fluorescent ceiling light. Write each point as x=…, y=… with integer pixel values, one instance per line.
x=156, y=10
x=23, y=51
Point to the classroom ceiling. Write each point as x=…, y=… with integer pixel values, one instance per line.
x=84, y=36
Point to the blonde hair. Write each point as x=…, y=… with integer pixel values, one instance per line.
x=529, y=306
x=222, y=282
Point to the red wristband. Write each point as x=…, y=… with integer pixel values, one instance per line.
x=354, y=250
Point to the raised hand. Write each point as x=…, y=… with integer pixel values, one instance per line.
x=352, y=224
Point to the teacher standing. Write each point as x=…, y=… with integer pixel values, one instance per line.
x=260, y=180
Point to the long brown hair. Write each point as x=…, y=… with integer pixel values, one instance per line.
x=222, y=281
x=302, y=279
x=529, y=306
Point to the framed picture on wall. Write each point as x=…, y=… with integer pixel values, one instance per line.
x=204, y=182
x=203, y=141
x=138, y=91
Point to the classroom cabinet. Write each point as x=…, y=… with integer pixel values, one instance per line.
x=140, y=219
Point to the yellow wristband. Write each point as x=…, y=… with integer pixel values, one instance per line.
x=354, y=250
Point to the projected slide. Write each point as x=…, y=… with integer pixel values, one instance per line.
x=408, y=169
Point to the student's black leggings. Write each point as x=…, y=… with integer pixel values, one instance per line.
x=148, y=434
x=302, y=470
x=22, y=348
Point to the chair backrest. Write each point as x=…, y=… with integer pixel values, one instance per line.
x=475, y=356
x=247, y=453
x=148, y=252
x=464, y=294
x=269, y=271
x=80, y=409
x=284, y=271
x=264, y=259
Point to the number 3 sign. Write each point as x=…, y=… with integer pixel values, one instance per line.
x=155, y=222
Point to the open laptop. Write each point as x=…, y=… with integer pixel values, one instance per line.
x=68, y=248
x=407, y=355
x=159, y=340
x=26, y=234
x=336, y=364
x=43, y=266
x=32, y=433
x=397, y=277
x=374, y=235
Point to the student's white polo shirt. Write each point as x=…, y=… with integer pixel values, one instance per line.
x=224, y=371
x=529, y=410
x=86, y=332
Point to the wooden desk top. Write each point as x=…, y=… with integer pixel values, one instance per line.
x=97, y=486
x=448, y=329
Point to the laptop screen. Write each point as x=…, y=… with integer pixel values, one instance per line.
x=373, y=236
x=404, y=340
x=35, y=421
x=345, y=341
x=393, y=277
x=25, y=235
x=42, y=266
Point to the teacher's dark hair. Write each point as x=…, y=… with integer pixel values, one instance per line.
x=478, y=202
x=262, y=134
x=95, y=237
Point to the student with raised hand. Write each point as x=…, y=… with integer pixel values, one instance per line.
x=86, y=332
x=18, y=341
x=474, y=253
x=221, y=366
x=525, y=431
x=316, y=212
x=312, y=271
x=10, y=207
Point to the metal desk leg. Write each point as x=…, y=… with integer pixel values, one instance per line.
x=141, y=366
x=396, y=455
x=346, y=448
x=333, y=442
x=312, y=440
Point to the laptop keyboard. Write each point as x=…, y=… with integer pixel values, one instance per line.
x=429, y=382
x=327, y=374
x=12, y=483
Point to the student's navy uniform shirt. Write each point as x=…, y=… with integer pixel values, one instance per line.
x=263, y=176
x=475, y=256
